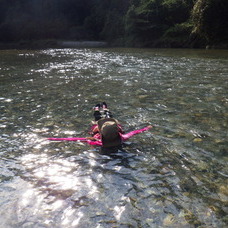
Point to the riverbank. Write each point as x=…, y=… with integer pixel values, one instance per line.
x=44, y=44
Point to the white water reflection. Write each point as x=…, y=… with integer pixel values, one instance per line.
x=58, y=186
x=69, y=188
x=173, y=176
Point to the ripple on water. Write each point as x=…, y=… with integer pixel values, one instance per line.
x=174, y=176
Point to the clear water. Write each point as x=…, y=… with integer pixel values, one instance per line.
x=172, y=176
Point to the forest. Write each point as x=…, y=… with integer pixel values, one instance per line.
x=127, y=23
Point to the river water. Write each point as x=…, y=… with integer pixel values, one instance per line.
x=174, y=175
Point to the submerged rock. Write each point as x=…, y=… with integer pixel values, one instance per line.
x=197, y=140
x=223, y=189
x=169, y=219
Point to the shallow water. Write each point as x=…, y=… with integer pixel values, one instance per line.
x=175, y=175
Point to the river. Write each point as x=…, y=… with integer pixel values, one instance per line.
x=174, y=175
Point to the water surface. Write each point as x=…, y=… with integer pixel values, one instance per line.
x=172, y=176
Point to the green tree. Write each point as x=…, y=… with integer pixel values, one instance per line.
x=210, y=19
x=106, y=20
x=152, y=20
x=178, y=19
x=142, y=23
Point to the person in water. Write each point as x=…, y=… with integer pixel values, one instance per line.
x=106, y=131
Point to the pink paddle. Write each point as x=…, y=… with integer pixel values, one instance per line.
x=68, y=139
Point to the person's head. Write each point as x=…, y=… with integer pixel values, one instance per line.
x=109, y=131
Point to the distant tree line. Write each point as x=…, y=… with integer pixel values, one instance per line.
x=137, y=23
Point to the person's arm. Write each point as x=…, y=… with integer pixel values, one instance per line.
x=135, y=132
x=94, y=140
x=68, y=139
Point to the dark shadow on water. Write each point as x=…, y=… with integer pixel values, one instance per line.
x=114, y=152
x=117, y=153
x=110, y=150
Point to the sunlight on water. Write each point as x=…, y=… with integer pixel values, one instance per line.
x=174, y=175
x=57, y=179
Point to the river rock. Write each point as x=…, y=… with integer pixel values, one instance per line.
x=197, y=140
x=169, y=219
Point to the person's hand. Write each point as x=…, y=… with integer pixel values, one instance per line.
x=149, y=126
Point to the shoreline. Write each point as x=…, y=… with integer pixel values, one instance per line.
x=46, y=44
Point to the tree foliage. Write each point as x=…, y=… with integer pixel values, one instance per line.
x=143, y=23
x=211, y=20
x=153, y=21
